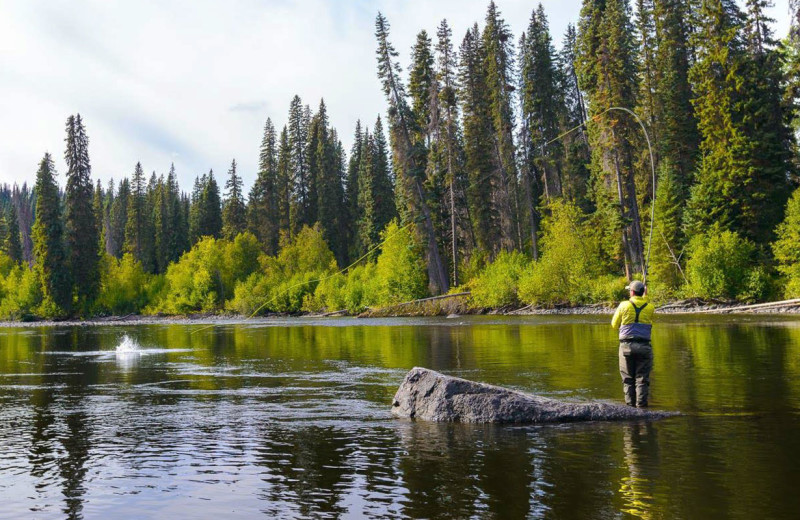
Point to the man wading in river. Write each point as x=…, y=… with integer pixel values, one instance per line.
x=634, y=319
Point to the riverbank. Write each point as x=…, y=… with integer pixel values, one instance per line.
x=444, y=307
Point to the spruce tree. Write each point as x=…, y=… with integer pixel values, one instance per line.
x=498, y=63
x=99, y=208
x=12, y=244
x=81, y=229
x=284, y=188
x=298, y=135
x=178, y=236
x=420, y=83
x=139, y=234
x=234, y=214
x=351, y=188
x=50, y=259
x=678, y=138
x=606, y=70
x=481, y=163
x=408, y=161
x=263, y=218
x=119, y=218
x=162, y=226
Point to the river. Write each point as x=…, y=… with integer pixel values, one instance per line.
x=290, y=418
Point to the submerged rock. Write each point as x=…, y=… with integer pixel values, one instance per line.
x=431, y=396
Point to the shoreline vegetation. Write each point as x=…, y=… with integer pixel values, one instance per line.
x=418, y=309
x=502, y=167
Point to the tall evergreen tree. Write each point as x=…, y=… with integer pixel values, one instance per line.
x=262, y=210
x=408, y=162
x=211, y=208
x=481, y=163
x=119, y=218
x=301, y=181
x=499, y=64
x=162, y=226
x=99, y=208
x=50, y=259
x=178, y=235
x=139, y=235
x=234, y=214
x=606, y=69
x=12, y=244
x=82, y=236
x=284, y=189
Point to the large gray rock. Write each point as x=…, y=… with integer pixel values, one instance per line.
x=431, y=396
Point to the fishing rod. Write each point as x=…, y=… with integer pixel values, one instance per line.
x=652, y=168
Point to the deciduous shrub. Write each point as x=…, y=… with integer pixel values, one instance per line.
x=787, y=247
x=570, y=261
x=497, y=284
x=400, y=271
x=720, y=264
x=20, y=292
x=124, y=286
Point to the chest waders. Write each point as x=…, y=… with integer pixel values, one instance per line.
x=634, y=367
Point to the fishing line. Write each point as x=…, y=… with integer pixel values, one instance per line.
x=652, y=168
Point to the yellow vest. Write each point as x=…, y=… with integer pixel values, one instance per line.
x=633, y=324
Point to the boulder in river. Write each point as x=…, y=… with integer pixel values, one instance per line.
x=431, y=396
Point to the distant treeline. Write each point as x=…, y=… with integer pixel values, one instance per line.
x=501, y=157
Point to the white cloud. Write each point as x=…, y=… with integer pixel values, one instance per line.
x=193, y=81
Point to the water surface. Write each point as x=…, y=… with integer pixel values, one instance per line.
x=290, y=418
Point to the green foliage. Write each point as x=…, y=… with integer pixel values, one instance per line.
x=206, y=276
x=125, y=288
x=665, y=274
x=282, y=283
x=570, y=260
x=721, y=266
x=20, y=291
x=400, y=270
x=787, y=247
x=497, y=285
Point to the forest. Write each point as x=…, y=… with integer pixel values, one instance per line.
x=503, y=166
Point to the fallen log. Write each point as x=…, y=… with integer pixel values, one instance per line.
x=430, y=396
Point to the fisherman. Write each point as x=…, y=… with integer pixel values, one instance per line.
x=634, y=319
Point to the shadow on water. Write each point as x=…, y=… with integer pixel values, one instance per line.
x=292, y=420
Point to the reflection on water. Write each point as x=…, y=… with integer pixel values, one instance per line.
x=291, y=419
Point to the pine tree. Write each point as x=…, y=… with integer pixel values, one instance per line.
x=575, y=177
x=678, y=138
x=262, y=210
x=420, y=84
x=82, y=236
x=139, y=234
x=606, y=70
x=481, y=163
x=498, y=63
x=284, y=188
x=408, y=163
x=234, y=214
x=351, y=189
x=50, y=259
x=99, y=208
x=450, y=148
x=12, y=245
x=211, y=212
x=298, y=135
x=178, y=236
x=162, y=220
x=119, y=218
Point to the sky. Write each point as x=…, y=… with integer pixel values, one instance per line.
x=192, y=82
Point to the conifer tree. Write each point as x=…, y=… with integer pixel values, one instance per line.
x=606, y=70
x=234, y=214
x=178, y=236
x=351, y=188
x=298, y=136
x=450, y=147
x=81, y=229
x=99, y=208
x=481, y=163
x=678, y=139
x=575, y=178
x=139, y=234
x=50, y=259
x=542, y=102
x=408, y=163
x=284, y=189
x=262, y=210
x=498, y=63
x=12, y=245
x=119, y=218
x=211, y=208
x=162, y=225
x=420, y=84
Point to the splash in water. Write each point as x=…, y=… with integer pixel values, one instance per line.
x=127, y=345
